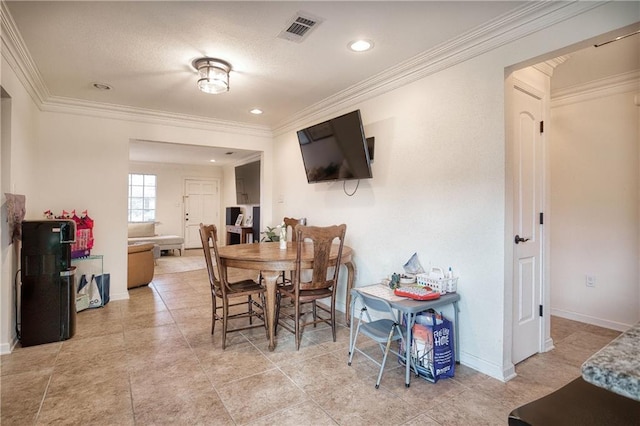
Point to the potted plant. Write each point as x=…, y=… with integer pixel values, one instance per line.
x=271, y=234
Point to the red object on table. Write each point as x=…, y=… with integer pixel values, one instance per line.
x=417, y=293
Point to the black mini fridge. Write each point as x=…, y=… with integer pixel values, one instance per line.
x=47, y=292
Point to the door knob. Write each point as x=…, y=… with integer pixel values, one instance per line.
x=519, y=239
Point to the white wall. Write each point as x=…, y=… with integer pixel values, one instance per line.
x=170, y=189
x=595, y=204
x=437, y=190
x=18, y=177
x=438, y=184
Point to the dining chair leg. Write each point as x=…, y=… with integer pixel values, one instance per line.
x=315, y=313
x=250, y=308
x=333, y=318
x=297, y=325
x=213, y=313
x=277, y=317
x=225, y=315
x=264, y=314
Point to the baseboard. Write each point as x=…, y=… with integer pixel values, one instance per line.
x=600, y=322
x=119, y=296
x=7, y=348
x=548, y=345
x=497, y=372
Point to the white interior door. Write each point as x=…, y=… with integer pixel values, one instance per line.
x=528, y=188
x=201, y=205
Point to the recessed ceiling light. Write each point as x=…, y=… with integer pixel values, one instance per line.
x=101, y=86
x=256, y=111
x=213, y=160
x=360, y=45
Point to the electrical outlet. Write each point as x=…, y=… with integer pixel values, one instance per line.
x=591, y=281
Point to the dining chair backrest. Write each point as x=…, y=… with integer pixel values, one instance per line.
x=217, y=276
x=325, y=271
x=290, y=222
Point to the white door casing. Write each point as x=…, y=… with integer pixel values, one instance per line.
x=201, y=205
x=527, y=116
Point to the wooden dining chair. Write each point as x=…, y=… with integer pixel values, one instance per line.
x=290, y=226
x=291, y=223
x=245, y=292
x=322, y=282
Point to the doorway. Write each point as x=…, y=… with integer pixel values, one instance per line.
x=591, y=207
x=201, y=205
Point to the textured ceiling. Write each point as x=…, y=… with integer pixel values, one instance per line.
x=144, y=50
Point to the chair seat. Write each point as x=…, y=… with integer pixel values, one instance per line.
x=307, y=295
x=379, y=330
x=245, y=285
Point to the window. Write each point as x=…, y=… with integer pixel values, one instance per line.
x=142, y=198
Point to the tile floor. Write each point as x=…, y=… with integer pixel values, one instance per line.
x=152, y=360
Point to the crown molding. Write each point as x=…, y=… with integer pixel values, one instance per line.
x=18, y=58
x=531, y=17
x=628, y=82
x=142, y=115
x=547, y=67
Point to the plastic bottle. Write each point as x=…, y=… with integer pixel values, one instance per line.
x=450, y=273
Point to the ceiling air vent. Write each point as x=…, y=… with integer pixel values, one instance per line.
x=300, y=26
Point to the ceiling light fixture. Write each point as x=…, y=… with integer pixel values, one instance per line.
x=256, y=111
x=214, y=75
x=360, y=45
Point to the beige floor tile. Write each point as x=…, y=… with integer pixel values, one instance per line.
x=234, y=363
x=152, y=360
x=359, y=404
x=148, y=320
x=306, y=413
x=184, y=401
x=75, y=349
x=21, y=395
x=32, y=358
x=97, y=394
x=259, y=395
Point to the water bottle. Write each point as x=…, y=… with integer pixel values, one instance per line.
x=283, y=237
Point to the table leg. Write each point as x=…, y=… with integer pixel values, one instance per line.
x=411, y=319
x=351, y=277
x=270, y=280
x=456, y=337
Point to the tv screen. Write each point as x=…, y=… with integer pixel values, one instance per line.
x=335, y=149
x=248, y=183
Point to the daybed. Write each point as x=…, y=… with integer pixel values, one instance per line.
x=145, y=232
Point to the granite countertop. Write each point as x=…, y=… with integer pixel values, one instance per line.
x=616, y=367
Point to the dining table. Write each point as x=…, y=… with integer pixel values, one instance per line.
x=271, y=261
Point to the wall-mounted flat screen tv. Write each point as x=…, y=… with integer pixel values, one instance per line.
x=248, y=183
x=335, y=149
